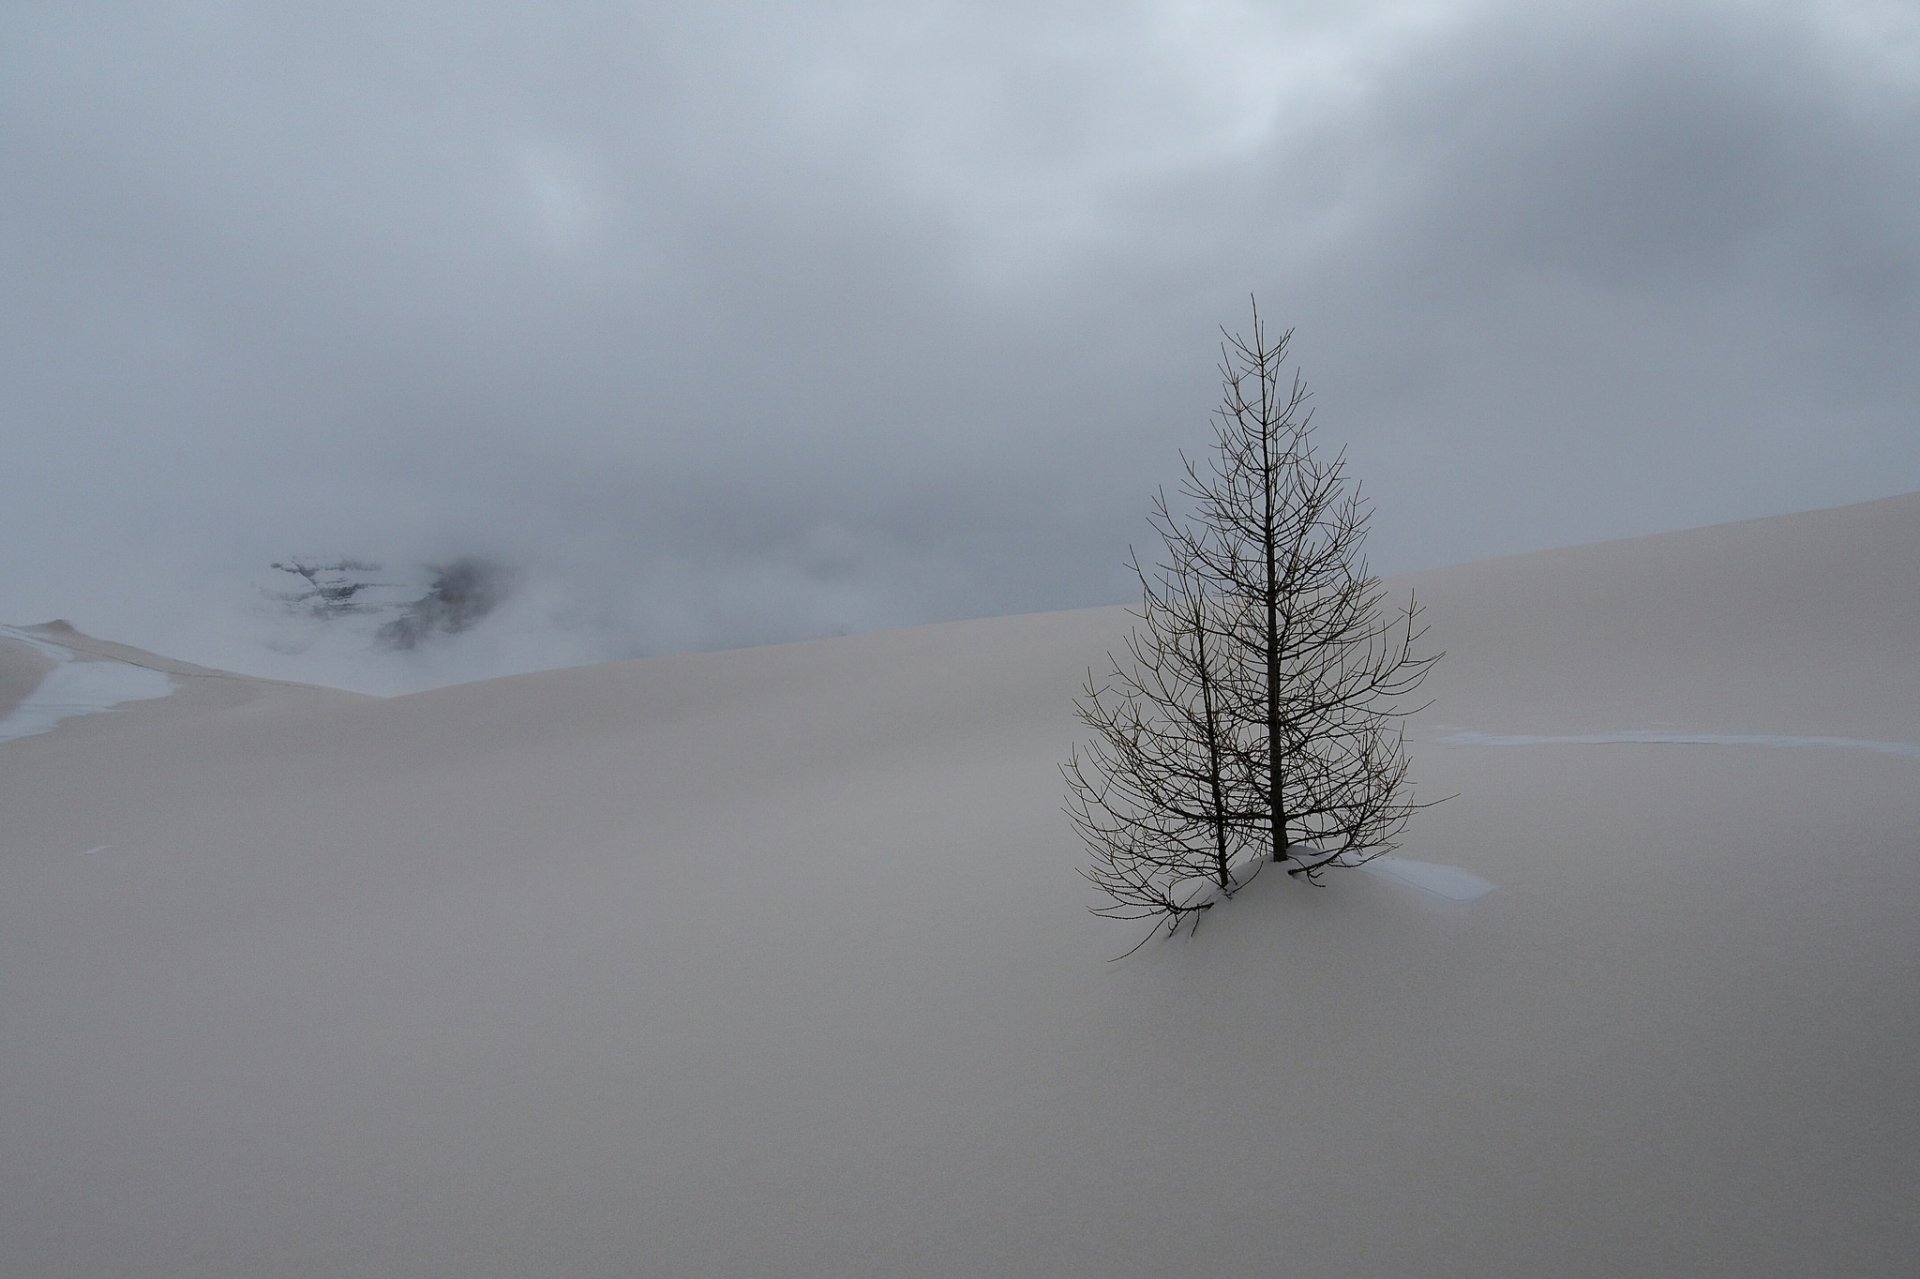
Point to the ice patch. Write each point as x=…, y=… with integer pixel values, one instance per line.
x=1650, y=737
x=76, y=688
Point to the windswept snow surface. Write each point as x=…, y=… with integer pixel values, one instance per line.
x=75, y=687
x=1666, y=737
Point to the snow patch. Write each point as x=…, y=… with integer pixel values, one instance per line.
x=1449, y=882
x=1653, y=736
x=74, y=688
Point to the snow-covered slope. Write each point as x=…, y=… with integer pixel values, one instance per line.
x=45, y=684
x=774, y=962
x=52, y=673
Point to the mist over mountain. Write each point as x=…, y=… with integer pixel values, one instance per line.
x=391, y=625
x=383, y=626
x=456, y=597
x=398, y=610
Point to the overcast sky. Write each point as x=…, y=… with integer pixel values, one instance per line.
x=729, y=322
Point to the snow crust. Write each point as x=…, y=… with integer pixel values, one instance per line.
x=74, y=687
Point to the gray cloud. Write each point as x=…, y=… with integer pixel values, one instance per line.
x=742, y=322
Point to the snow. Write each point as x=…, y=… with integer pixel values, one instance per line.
x=776, y=963
x=1196, y=890
x=1448, y=882
x=1193, y=891
x=75, y=687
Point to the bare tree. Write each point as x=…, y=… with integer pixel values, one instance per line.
x=1153, y=794
x=1259, y=706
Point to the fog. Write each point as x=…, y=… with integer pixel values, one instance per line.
x=738, y=323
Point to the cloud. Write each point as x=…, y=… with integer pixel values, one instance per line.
x=742, y=322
